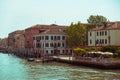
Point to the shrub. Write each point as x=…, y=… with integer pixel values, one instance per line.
x=117, y=54
x=94, y=49
x=79, y=51
x=109, y=49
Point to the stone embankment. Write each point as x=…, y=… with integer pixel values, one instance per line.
x=105, y=63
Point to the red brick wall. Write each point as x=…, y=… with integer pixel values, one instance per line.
x=29, y=34
x=11, y=38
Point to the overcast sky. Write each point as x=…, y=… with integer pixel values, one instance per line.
x=20, y=14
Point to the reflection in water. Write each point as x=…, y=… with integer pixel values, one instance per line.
x=13, y=68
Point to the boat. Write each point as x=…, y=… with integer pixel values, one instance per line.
x=30, y=59
x=38, y=60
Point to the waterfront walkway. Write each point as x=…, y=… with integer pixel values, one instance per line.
x=104, y=63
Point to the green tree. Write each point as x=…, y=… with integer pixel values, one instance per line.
x=97, y=20
x=76, y=35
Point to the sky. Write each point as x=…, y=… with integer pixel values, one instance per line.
x=21, y=14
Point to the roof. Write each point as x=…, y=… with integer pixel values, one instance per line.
x=54, y=31
x=108, y=26
x=16, y=32
x=38, y=26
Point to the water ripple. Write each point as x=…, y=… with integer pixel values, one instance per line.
x=13, y=68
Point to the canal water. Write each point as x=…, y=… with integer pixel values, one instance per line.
x=13, y=68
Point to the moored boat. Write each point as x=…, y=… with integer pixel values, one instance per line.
x=30, y=59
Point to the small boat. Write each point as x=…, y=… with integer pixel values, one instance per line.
x=30, y=59
x=38, y=60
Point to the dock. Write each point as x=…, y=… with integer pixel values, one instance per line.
x=90, y=62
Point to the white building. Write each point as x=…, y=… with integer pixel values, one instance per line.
x=51, y=40
x=108, y=34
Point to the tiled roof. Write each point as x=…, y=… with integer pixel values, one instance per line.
x=17, y=32
x=54, y=31
x=108, y=26
x=38, y=26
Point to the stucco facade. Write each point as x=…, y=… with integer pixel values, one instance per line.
x=35, y=30
x=51, y=41
x=105, y=35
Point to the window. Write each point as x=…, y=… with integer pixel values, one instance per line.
x=63, y=37
x=51, y=44
x=47, y=45
x=51, y=37
x=66, y=51
x=63, y=51
x=100, y=33
x=90, y=41
x=46, y=37
x=102, y=41
x=105, y=41
x=90, y=34
x=58, y=37
x=63, y=44
x=46, y=51
x=105, y=32
x=55, y=45
x=70, y=51
x=54, y=37
x=38, y=40
x=97, y=34
x=42, y=37
x=59, y=44
x=38, y=45
x=51, y=51
x=97, y=41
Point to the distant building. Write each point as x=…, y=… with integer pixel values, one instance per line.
x=12, y=38
x=20, y=41
x=4, y=42
x=35, y=30
x=108, y=34
x=50, y=41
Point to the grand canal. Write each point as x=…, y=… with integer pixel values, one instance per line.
x=13, y=68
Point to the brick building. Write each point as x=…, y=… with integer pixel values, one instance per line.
x=20, y=41
x=4, y=42
x=35, y=30
x=12, y=38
